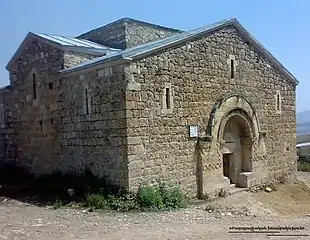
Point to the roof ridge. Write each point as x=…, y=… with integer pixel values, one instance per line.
x=126, y=52
x=69, y=38
x=124, y=20
x=101, y=27
x=150, y=24
x=147, y=48
x=186, y=34
x=50, y=34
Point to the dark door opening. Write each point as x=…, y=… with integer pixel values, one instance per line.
x=226, y=158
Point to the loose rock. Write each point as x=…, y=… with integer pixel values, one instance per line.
x=268, y=189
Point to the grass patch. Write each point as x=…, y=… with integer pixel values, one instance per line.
x=303, y=166
x=95, y=201
x=147, y=198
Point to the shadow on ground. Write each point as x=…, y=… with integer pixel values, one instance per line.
x=17, y=183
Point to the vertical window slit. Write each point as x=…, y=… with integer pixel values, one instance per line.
x=41, y=126
x=168, y=98
x=232, y=68
x=278, y=102
x=34, y=86
x=86, y=101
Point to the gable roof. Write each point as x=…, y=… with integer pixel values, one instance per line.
x=155, y=46
x=64, y=43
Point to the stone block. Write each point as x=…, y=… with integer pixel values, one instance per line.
x=134, y=140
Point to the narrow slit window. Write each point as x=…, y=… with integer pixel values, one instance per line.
x=86, y=101
x=232, y=68
x=168, y=98
x=34, y=87
x=278, y=102
x=41, y=126
x=50, y=85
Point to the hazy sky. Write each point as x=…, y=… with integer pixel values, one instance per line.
x=281, y=26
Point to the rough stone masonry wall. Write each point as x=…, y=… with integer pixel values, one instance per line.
x=112, y=36
x=72, y=58
x=200, y=76
x=138, y=34
x=63, y=129
x=30, y=132
x=127, y=33
x=4, y=122
x=93, y=133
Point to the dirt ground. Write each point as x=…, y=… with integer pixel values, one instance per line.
x=288, y=205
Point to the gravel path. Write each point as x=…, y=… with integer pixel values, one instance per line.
x=21, y=221
x=27, y=222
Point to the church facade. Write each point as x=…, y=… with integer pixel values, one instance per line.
x=134, y=102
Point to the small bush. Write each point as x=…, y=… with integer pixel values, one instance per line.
x=126, y=202
x=149, y=197
x=303, y=167
x=58, y=204
x=95, y=201
x=172, y=197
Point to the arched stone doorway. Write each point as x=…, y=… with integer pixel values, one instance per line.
x=231, y=138
x=236, y=136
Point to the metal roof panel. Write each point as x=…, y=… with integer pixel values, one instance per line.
x=70, y=41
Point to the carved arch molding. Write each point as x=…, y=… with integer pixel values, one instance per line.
x=223, y=110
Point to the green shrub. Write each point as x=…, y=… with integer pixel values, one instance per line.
x=303, y=167
x=149, y=197
x=172, y=197
x=58, y=204
x=304, y=157
x=125, y=202
x=95, y=201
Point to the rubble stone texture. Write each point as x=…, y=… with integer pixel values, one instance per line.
x=127, y=33
x=114, y=119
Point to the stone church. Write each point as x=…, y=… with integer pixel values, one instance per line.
x=134, y=102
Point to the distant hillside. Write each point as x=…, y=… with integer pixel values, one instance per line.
x=303, y=117
x=303, y=123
